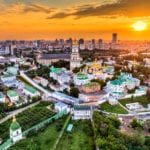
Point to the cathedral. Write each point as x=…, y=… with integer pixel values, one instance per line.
x=75, y=56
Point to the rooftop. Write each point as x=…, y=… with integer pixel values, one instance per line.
x=56, y=70
x=82, y=76
x=81, y=107
x=60, y=104
x=91, y=84
x=1, y=95
x=116, y=82
x=7, y=75
x=55, y=56
x=69, y=128
x=12, y=93
x=30, y=89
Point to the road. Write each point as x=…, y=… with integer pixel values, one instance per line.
x=56, y=95
x=16, y=112
x=47, y=93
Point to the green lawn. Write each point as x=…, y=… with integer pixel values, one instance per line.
x=113, y=108
x=143, y=100
x=42, y=140
x=80, y=138
x=27, y=118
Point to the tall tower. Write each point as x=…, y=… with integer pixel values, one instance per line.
x=75, y=56
x=114, y=38
x=15, y=131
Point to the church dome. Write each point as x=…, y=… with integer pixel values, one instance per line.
x=82, y=76
x=14, y=125
x=95, y=65
x=75, y=42
x=97, y=73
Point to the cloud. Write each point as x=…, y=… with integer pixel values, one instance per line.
x=37, y=8
x=59, y=15
x=127, y=8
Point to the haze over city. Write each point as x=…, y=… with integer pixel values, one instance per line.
x=50, y=19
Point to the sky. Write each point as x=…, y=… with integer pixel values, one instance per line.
x=50, y=19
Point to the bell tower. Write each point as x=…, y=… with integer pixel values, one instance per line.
x=15, y=131
x=75, y=56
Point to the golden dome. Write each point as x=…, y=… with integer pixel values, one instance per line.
x=104, y=66
x=97, y=73
x=14, y=119
x=75, y=42
x=134, y=61
x=96, y=65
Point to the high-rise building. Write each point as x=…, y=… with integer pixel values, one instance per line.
x=12, y=49
x=100, y=42
x=114, y=38
x=81, y=41
x=75, y=56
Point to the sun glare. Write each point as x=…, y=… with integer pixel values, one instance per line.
x=139, y=26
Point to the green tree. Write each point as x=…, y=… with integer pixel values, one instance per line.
x=136, y=124
x=74, y=91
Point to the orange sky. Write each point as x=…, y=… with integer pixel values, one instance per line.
x=33, y=19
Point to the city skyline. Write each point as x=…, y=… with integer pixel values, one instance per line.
x=33, y=19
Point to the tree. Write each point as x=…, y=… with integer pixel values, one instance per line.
x=148, y=94
x=74, y=91
x=101, y=82
x=136, y=124
x=76, y=70
x=147, y=125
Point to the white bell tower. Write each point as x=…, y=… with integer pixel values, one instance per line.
x=75, y=56
x=15, y=131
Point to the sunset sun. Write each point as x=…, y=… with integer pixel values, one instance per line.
x=139, y=26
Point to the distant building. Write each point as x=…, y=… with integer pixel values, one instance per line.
x=41, y=81
x=114, y=38
x=13, y=70
x=2, y=98
x=91, y=87
x=61, y=106
x=13, y=96
x=49, y=58
x=75, y=56
x=81, y=112
x=15, y=131
x=7, y=77
x=112, y=101
x=9, y=80
x=30, y=91
x=124, y=82
x=81, y=78
x=60, y=75
x=13, y=49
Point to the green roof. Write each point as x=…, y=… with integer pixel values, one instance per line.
x=82, y=76
x=69, y=128
x=14, y=126
x=1, y=95
x=7, y=75
x=120, y=93
x=56, y=70
x=109, y=68
x=116, y=82
x=92, y=84
x=30, y=89
x=14, y=67
x=81, y=107
x=12, y=93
